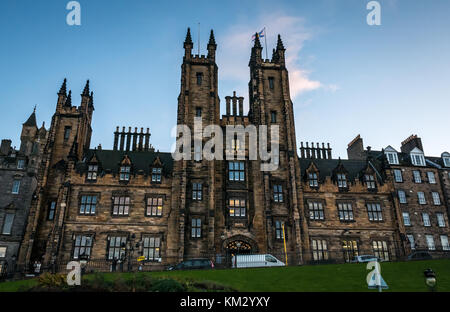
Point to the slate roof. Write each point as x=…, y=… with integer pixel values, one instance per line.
x=31, y=121
x=109, y=160
x=404, y=159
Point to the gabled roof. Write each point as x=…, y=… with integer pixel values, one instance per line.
x=416, y=150
x=390, y=149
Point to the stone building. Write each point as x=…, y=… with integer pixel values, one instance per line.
x=419, y=184
x=18, y=169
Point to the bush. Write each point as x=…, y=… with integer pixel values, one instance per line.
x=48, y=280
x=168, y=285
x=211, y=286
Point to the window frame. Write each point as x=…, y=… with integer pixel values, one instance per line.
x=157, y=174
x=398, y=178
x=10, y=223
x=278, y=193
x=51, y=210
x=370, y=181
x=374, y=215
x=421, y=199
x=90, y=204
x=124, y=173
x=426, y=219
x=440, y=219
x=313, y=179
x=417, y=177
x=239, y=171
x=238, y=207
x=196, y=227
x=123, y=239
x=16, y=187
x=345, y=211
x=317, y=213
x=319, y=249
x=157, y=207
x=91, y=173
x=405, y=201
x=436, y=198
x=380, y=249
x=147, y=248
x=126, y=205
x=80, y=246
x=404, y=213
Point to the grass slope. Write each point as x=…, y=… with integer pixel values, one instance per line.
x=400, y=276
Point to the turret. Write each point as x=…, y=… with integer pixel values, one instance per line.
x=62, y=94
x=255, y=57
x=188, y=45
x=212, y=46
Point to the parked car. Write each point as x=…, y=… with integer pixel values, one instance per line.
x=365, y=258
x=252, y=261
x=420, y=255
x=193, y=264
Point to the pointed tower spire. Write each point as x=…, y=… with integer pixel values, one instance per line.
x=31, y=121
x=188, y=39
x=69, y=99
x=86, y=89
x=62, y=90
x=257, y=42
x=188, y=45
x=280, y=52
x=91, y=99
x=212, y=40
x=212, y=46
x=255, y=57
x=280, y=45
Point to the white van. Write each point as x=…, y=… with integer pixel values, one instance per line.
x=254, y=261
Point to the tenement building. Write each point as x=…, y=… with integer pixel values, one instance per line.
x=420, y=183
x=18, y=181
x=112, y=206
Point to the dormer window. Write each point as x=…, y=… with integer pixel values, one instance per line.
x=392, y=158
x=417, y=158
x=125, y=173
x=313, y=179
x=342, y=180
x=156, y=174
x=446, y=159
x=370, y=182
x=92, y=172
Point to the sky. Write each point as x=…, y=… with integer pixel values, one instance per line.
x=347, y=78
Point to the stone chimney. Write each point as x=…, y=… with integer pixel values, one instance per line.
x=355, y=149
x=5, y=147
x=411, y=143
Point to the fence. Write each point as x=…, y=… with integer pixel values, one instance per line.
x=220, y=261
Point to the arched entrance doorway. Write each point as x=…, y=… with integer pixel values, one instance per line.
x=238, y=245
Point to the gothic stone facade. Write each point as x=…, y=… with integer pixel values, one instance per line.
x=104, y=203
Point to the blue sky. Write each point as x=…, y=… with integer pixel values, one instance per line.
x=347, y=78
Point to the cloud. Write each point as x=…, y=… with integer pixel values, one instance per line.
x=233, y=62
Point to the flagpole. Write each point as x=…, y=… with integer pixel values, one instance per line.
x=265, y=40
x=199, y=39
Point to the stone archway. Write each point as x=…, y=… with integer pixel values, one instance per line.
x=239, y=244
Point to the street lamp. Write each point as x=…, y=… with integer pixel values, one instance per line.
x=430, y=279
x=238, y=245
x=83, y=262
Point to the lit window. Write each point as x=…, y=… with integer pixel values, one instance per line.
x=440, y=219
x=313, y=179
x=121, y=205
x=421, y=197
x=417, y=177
x=374, y=212
x=277, y=193
x=315, y=211
x=92, y=172
x=236, y=207
x=197, y=191
x=82, y=246
x=156, y=174
x=125, y=173
x=380, y=250
x=16, y=187
x=154, y=206
x=3, y=252
x=431, y=177
x=426, y=219
x=398, y=175
x=350, y=249
x=196, y=231
x=151, y=248
x=406, y=219
x=236, y=171
x=402, y=197
x=320, y=249
x=345, y=211
x=436, y=198
x=88, y=204
x=430, y=242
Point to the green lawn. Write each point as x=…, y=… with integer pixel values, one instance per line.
x=400, y=276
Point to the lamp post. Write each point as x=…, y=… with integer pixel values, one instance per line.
x=238, y=245
x=430, y=279
x=129, y=250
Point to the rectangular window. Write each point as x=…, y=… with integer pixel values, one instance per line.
x=92, y=172
x=51, y=210
x=196, y=231
x=154, y=206
x=392, y=158
x=417, y=177
x=313, y=179
x=199, y=79
x=151, y=249
x=236, y=207
x=440, y=219
x=380, y=250
x=444, y=242
x=21, y=164
x=436, y=198
x=411, y=241
x=320, y=249
x=7, y=223
x=198, y=112
x=156, y=174
x=447, y=161
x=345, y=211
x=342, y=180
x=277, y=193
x=273, y=117
x=67, y=132
x=315, y=211
x=374, y=212
x=88, y=204
x=15, y=187
x=3, y=252
x=430, y=242
x=370, y=182
x=197, y=191
x=406, y=219
x=115, y=250
x=421, y=197
x=418, y=160
x=402, y=197
x=398, y=175
x=279, y=230
x=426, y=219
x=431, y=177
x=350, y=249
x=82, y=246
x=271, y=84
x=121, y=205
x=125, y=173
x=236, y=171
